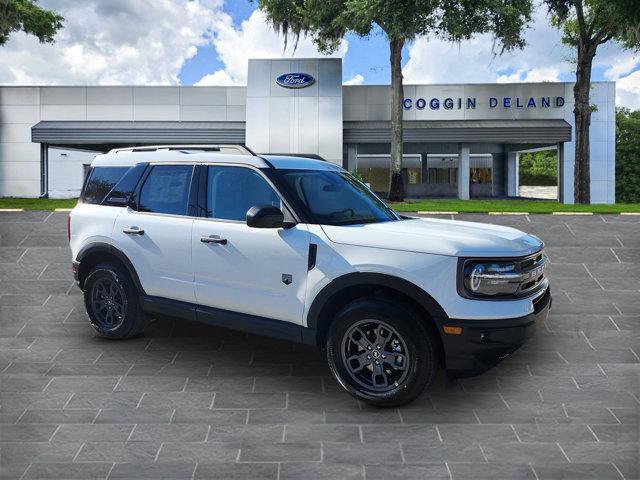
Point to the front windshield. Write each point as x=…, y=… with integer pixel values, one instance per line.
x=336, y=198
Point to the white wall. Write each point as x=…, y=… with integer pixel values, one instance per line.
x=66, y=171
x=371, y=103
x=19, y=158
x=307, y=120
x=602, y=143
x=23, y=107
x=304, y=120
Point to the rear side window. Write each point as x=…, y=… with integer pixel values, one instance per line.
x=100, y=183
x=166, y=190
x=121, y=193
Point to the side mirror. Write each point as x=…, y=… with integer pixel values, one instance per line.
x=265, y=216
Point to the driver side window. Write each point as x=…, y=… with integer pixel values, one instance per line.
x=232, y=191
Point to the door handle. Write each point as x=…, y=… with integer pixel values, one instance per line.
x=132, y=231
x=213, y=239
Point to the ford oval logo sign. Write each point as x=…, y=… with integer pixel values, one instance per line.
x=295, y=80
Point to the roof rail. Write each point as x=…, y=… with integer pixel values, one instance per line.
x=313, y=156
x=222, y=148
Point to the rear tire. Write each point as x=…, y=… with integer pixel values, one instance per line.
x=111, y=300
x=381, y=353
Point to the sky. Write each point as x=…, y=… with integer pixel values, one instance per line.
x=208, y=42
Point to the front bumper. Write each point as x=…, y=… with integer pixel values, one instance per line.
x=483, y=343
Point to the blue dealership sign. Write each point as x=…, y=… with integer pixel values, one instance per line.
x=295, y=80
x=469, y=103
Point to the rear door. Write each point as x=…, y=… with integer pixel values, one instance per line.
x=156, y=233
x=258, y=271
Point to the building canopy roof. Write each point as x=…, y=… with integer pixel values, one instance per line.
x=80, y=132
x=432, y=131
x=476, y=131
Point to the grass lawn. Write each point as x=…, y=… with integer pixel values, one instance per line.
x=434, y=205
x=38, y=203
x=530, y=206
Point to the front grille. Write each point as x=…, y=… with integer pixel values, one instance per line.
x=532, y=269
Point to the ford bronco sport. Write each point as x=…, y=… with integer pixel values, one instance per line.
x=299, y=249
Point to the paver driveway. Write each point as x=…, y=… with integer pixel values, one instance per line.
x=187, y=400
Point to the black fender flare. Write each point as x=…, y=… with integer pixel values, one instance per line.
x=108, y=249
x=353, y=279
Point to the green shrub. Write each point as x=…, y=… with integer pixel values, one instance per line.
x=539, y=168
x=359, y=176
x=627, y=156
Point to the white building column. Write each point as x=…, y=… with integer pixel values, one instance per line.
x=513, y=167
x=463, y=171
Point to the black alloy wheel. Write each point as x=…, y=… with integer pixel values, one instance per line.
x=112, y=302
x=109, y=304
x=376, y=355
x=382, y=351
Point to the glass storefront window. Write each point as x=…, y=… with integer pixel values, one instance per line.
x=425, y=174
x=443, y=175
x=377, y=178
x=414, y=175
x=374, y=169
x=480, y=175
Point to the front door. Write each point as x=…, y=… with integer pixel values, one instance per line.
x=156, y=235
x=258, y=271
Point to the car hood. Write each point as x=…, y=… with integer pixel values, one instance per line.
x=440, y=237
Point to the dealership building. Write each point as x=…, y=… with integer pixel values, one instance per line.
x=460, y=140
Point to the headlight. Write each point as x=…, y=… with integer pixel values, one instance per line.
x=510, y=278
x=491, y=278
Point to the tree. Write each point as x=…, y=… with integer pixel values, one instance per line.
x=327, y=21
x=587, y=24
x=539, y=168
x=28, y=17
x=627, y=156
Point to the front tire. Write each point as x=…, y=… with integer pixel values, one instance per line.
x=111, y=300
x=380, y=352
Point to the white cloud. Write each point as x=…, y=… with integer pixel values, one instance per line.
x=253, y=39
x=436, y=61
x=143, y=42
x=621, y=70
x=114, y=42
x=545, y=58
x=219, y=77
x=357, y=79
x=531, y=75
x=148, y=42
x=628, y=91
x=622, y=65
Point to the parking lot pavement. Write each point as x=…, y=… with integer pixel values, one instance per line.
x=190, y=401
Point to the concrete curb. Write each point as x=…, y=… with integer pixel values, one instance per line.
x=571, y=213
x=508, y=213
x=436, y=213
x=11, y=209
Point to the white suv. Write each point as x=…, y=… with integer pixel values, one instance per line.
x=298, y=249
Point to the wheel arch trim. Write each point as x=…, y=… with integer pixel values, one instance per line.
x=354, y=279
x=108, y=249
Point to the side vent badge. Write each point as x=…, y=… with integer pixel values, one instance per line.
x=287, y=278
